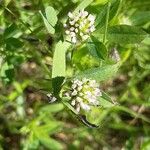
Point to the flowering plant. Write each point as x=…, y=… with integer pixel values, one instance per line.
x=86, y=40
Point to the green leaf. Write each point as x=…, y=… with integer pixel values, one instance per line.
x=7, y=72
x=106, y=97
x=49, y=27
x=101, y=17
x=96, y=48
x=50, y=143
x=140, y=17
x=52, y=108
x=12, y=44
x=51, y=15
x=94, y=115
x=59, y=59
x=82, y=5
x=125, y=34
x=31, y=142
x=70, y=107
x=56, y=84
x=105, y=100
x=49, y=128
x=145, y=144
x=104, y=103
x=10, y=31
x=99, y=73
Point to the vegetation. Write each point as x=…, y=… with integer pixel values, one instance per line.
x=74, y=74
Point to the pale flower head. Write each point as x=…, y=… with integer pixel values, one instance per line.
x=79, y=26
x=84, y=94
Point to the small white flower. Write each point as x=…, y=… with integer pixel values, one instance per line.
x=76, y=18
x=70, y=15
x=85, y=13
x=81, y=34
x=72, y=29
x=91, y=17
x=91, y=23
x=79, y=83
x=77, y=25
x=92, y=100
x=78, y=108
x=65, y=25
x=92, y=29
x=79, y=88
x=74, y=93
x=76, y=30
x=74, y=40
x=51, y=98
x=82, y=23
x=97, y=92
x=67, y=32
x=78, y=99
x=88, y=93
x=92, y=83
x=67, y=94
x=74, y=86
x=72, y=34
x=73, y=102
x=85, y=106
x=72, y=22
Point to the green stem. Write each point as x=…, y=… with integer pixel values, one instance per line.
x=106, y=24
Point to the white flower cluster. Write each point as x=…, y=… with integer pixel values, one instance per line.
x=79, y=26
x=51, y=98
x=84, y=94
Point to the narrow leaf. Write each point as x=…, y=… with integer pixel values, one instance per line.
x=49, y=142
x=59, y=62
x=52, y=108
x=106, y=104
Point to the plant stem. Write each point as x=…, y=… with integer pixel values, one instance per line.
x=106, y=23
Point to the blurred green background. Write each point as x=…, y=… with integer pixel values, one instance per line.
x=28, y=121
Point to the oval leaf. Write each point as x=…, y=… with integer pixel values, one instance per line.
x=99, y=73
x=96, y=48
x=51, y=15
x=50, y=29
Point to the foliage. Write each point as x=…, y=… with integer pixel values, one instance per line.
x=37, y=58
